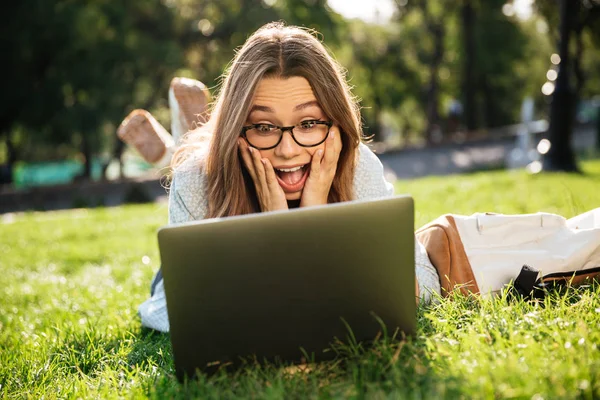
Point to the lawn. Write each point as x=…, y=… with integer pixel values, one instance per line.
x=72, y=280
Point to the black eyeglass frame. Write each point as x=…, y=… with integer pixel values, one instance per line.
x=329, y=124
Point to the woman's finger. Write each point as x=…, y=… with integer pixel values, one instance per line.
x=270, y=176
x=330, y=156
x=259, y=168
x=276, y=196
x=315, y=165
x=247, y=158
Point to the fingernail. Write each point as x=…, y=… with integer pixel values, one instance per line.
x=320, y=152
x=264, y=161
x=250, y=149
x=331, y=134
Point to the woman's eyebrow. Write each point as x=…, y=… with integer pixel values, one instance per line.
x=257, y=107
x=306, y=105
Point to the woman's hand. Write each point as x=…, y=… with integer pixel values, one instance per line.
x=322, y=171
x=270, y=195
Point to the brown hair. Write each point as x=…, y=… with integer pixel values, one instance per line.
x=275, y=50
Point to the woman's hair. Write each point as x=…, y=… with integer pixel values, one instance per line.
x=275, y=50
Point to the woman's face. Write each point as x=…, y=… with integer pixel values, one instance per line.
x=287, y=102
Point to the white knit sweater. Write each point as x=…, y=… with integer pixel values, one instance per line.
x=187, y=202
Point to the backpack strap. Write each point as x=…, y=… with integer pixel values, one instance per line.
x=528, y=285
x=573, y=277
x=447, y=254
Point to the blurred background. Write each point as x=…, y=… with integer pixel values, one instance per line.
x=431, y=74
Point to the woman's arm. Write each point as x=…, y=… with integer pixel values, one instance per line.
x=369, y=178
x=187, y=195
x=187, y=202
x=428, y=281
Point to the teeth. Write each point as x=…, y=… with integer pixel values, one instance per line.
x=290, y=169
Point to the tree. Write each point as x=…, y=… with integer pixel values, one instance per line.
x=468, y=69
x=560, y=156
x=77, y=67
x=435, y=16
x=470, y=51
x=577, y=17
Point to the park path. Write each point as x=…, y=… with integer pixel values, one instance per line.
x=466, y=157
x=398, y=164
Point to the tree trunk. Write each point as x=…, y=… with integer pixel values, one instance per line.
x=433, y=91
x=487, y=98
x=468, y=21
x=117, y=154
x=374, y=125
x=560, y=157
x=435, y=26
x=87, y=154
x=578, y=56
x=6, y=170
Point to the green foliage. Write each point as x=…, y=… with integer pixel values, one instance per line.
x=587, y=23
x=499, y=51
x=75, y=69
x=78, y=67
x=392, y=67
x=72, y=280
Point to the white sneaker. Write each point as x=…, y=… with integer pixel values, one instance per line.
x=188, y=101
x=144, y=133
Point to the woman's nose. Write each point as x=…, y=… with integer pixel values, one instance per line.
x=288, y=147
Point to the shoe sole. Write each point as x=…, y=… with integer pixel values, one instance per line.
x=144, y=133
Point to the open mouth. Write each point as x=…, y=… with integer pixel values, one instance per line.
x=292, y=179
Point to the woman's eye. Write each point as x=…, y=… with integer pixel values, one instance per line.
x=307, y=124
x=265, y=127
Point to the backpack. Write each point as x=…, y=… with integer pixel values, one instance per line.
x=484, y=252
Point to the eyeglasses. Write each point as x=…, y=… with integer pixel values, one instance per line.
x=307, y=133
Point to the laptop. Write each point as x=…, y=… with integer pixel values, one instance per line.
x=282, y=286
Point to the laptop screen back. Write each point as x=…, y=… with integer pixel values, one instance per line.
x=283, y=284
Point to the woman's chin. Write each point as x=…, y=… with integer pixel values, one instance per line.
x=293, y=196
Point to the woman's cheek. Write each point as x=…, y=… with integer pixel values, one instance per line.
x=268, y=154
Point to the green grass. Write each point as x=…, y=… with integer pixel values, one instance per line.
x=71, y=282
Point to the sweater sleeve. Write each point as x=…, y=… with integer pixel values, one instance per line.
x=187, y=197
x=369, y=178
x=426, y=274
x=187, y=202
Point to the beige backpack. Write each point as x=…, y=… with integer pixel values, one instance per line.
x=482, y=253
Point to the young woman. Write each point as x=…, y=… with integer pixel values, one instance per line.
x=285, y=132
